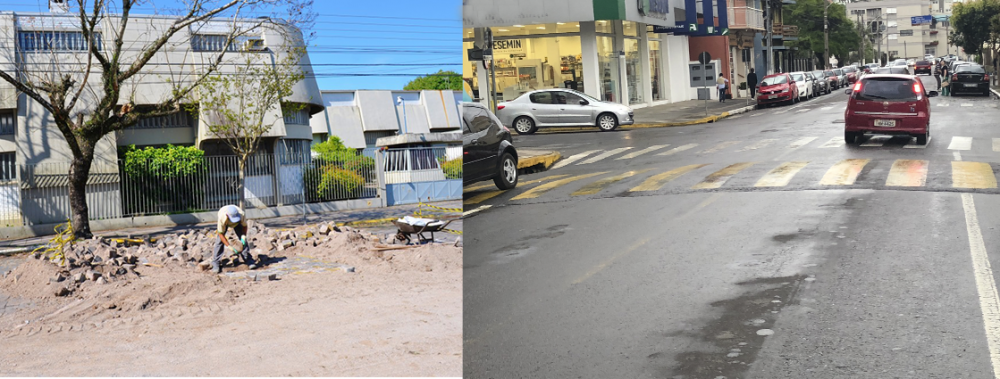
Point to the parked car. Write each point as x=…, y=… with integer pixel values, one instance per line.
x=892, y=70
x=776, y=88
x=970, y=79
x=805, y=86
x=923, y=67
x=841, y=76
x=832, y=79
x=888, y=104
x=897, y=62
x=487, y=147
x=561, y=107
x=821, y=82
x=852, y=74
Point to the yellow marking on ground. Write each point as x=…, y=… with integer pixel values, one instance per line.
x=542, y=189
x=718, y=178
x=655, y=182
x=679, y=149
x=907, y=173
x=781, y=175
x=600, y=185
x=478, y=187
x=844, y=173
x=545, y=159
x=720, y=147
x=972, y=175
x=491, y=194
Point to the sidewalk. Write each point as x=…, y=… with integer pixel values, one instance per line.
x=379, y=215
x=530, y=158
x=689, y=112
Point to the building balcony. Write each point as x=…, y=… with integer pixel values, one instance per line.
x=745, y=18
x=933, y=43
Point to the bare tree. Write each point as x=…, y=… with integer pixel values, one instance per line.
x=100, y=83
x=241, y=107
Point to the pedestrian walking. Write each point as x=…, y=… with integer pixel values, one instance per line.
x=945, y=83
x=231, y=216
x=752, y=83
x=722, y=83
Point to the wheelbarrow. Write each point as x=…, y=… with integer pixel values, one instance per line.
x=413, y=225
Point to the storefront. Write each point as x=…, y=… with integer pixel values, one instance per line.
x=617, y=60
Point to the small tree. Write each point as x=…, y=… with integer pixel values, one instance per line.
x=440, y=80
x=240, y=107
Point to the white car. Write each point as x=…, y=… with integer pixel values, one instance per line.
x=805, y=87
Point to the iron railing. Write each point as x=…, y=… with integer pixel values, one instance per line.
x=422, y=164
x=745, y=17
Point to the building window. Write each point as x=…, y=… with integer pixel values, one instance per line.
x=890, y=10
x=7, y=123
x=213, y=42
x=607, y=60
x=8, y=166
x=372, y=137
x=930, y=50
x=174, y=120
x=299, y=117
x=293, y=151
x=54, y=41
x=604, y=26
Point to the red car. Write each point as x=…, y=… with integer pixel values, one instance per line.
x=852, y=74
x=776, y=88
x=888, y=104
x=922, y=67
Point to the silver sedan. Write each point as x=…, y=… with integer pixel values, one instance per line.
x=561, y=107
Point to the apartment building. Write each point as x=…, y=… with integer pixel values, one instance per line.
x=902, y=37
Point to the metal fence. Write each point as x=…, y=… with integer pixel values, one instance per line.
x=422, y=164
x=40, y=192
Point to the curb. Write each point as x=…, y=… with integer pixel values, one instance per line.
x=703, y=120
x=546, y=160
x=995, y=93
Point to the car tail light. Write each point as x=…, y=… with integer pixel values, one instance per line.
x=857, y=87
x=954, y=78
x=986, y=77
x=916, y=89
x=501, y=106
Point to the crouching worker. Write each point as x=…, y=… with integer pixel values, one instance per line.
x=231, y=216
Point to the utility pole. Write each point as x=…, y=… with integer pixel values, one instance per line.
x=826, y=36
x=770, y=38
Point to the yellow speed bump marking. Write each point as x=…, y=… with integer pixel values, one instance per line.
x=542, y=189
x=718, y=178
x=679, y=149
x=781, y=175
x=491, y=194
x=600, y=185
x=972, y=175
x=907, y=173
x=720, y=147
x=844, y=173
x=655, y=182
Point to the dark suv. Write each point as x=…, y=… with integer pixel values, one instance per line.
x=488, y=149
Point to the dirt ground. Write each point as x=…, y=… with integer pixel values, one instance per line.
x=398, y=314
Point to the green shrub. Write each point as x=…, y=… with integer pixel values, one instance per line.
x=328, y=183
x=452, y=169
x=361, y=165
x=162, y=180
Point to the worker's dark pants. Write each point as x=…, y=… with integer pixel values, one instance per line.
x=220, y=248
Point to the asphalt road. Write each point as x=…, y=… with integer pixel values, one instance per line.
x=762, y=248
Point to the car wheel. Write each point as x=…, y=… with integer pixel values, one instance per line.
x=507, y=177
x=607, y=122
x=525, y=125
x=922, y=138
x=852, y=137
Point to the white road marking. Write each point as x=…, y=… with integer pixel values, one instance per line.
x=966, y=104
x=960, y=143
x=757, y=145
x=945, y=104
x=477, y=210
x=801, y=142
x=678, y=149
x=913, y=144
x=735, y=117
x=834, y=142
x=957, y=155
x=996, y=144
x=876, y=141
x=826, y=108
x=756, y=114
x=641, y=152
x=989, y=301
x=573, y=158
x=803, y=110
x=605, y=155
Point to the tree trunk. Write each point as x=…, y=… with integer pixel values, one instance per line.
x=79, y=171
x=241, y=183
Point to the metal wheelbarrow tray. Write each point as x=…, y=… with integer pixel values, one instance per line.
x=406, y=229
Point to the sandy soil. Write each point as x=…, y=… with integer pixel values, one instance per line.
x=398, y=314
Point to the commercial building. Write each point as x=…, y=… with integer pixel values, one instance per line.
x=902, y=37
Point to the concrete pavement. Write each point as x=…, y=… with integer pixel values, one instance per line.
x=689, y=112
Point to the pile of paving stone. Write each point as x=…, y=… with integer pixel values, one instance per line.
x=103, y=259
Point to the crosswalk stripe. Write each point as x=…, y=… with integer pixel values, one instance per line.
x=966, y=104
x=756, y=114
x=655, y=182
x=679, y=149
x=826, y=108
x=913, y=144
x=876, y=141
x=834, y=142
x=606, y=154
x=600, y=185
x=996, y=144
x=757, y=145
x=960, y=143
x=803, y=110
x=573, y=158
x=477, y=210
x=641, y=152
x=491, y=194
x=720, y=147
x=542, y=189
x=844, y=173
x=718, y=178
x=801, y=142
x=972, y=175
x=781, y=175
x=907, y=173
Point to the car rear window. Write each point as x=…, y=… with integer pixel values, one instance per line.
x=848, y=70
x=876, y=89
x=774, y=80
x=970, y=70
x=923, y=63
x=831, y=73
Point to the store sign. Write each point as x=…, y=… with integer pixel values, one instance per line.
x=505, y=47
x=654, y=8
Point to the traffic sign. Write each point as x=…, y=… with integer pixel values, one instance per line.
x=921, y=20
x=704, y=57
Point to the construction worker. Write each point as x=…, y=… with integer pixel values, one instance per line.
x=231, y=216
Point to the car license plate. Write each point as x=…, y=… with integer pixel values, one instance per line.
x=886, y=123
x=970, y=85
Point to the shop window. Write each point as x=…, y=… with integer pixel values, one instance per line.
x=608, y=62
x=633, y=71
x=526, y=64
x=654, y=69
x=631, y=28
x=604, y=26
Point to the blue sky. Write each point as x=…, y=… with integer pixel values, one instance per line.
x=384, y=40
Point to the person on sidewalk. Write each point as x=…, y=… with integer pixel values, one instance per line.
x=752, y=83
x=231, y=216
x=945, y=83
x=721, y=83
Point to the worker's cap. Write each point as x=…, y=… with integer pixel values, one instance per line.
x=233, y=213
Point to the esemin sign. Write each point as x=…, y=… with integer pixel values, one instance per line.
x=508, y=46
x=654, y=8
